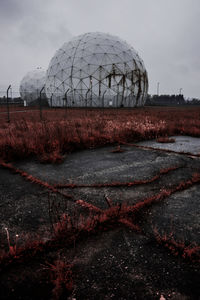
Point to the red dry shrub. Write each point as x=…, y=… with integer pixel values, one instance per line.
x=165, y=139
x=62, y=278
x=119, y=184
x=32, y=178
x=89, y=206
x=190, y=252
x=118, y=149
x=97, y=221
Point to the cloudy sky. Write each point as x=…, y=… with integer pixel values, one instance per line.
x=165, y=33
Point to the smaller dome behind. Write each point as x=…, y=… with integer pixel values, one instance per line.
x=31, y=85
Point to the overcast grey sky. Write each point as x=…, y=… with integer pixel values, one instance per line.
x=165, y=33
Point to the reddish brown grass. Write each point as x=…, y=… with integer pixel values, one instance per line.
x=33, y=179
x=190, y=252
x=63, y=131
x=118, y=149
x=165, y=139
x=62, y=278
x=119, y=184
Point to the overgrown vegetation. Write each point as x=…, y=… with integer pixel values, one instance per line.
x=62, y=131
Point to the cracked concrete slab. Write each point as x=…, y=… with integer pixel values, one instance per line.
x=117, y=263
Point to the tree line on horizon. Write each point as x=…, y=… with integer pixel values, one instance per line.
x=152, y=100
x=170, y=100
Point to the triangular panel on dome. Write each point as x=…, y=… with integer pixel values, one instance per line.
x=94, y=81
x=74, y=70
x=117, y=79
x=96, y=59
x=65, y=63
x=87, y=58
x=66, y=73
x=60, y=75
x=68, y=82
x=106, y=61
x=86, y=82
x=107, y=48
x=99, y=73
x=125, y=56
x=91, y=59
x=80, y=86
x=83, y=74
x=99, y=49
x=90, y=49
x=113, y=59
x=53, y=69
x=90, y=69
x=130, y=65
x=79, y=63
x=75, y=82
x=57, y=81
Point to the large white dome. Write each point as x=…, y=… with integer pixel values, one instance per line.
x=96, y=69
x=31, y=85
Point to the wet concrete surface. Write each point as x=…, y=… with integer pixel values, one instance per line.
x=182, y=144
x=101, y=166
x=118, y=264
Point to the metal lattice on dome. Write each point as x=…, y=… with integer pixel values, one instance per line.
x=31, y=85
x=96, y=69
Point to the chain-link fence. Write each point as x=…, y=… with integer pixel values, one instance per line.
x=13, y=107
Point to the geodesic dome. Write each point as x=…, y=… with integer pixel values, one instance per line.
x=31, y=85
x=96, y=69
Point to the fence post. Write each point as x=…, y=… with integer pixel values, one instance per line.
x=41, y=102
x=8, y=108
x=65, y=98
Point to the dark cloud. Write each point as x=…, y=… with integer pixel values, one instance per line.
x=9, y=9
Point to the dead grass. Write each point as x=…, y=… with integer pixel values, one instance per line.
x=61, y=277
x=63, y=131
x=188, y=252
x=119, y=184
x=165, y=139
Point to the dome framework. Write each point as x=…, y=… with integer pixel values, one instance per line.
x=96, y=70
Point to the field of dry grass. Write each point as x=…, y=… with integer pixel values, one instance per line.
x=66, y=130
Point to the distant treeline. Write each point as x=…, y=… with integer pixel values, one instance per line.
x=170, y=100
x=152, y=100
x=3, y=100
